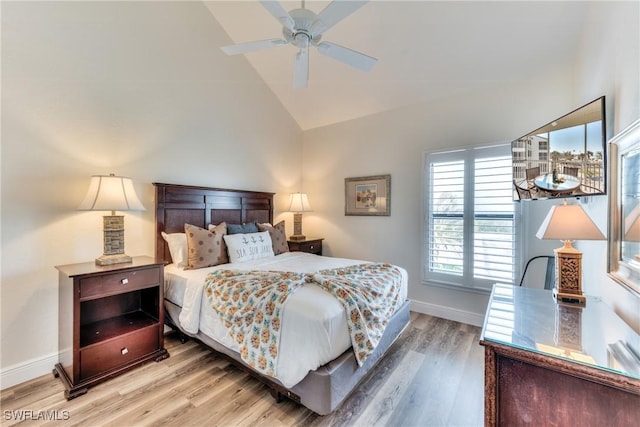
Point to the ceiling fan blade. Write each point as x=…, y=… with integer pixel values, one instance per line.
x=240, y=48
x=335, y=12
x=301, y=69
x=278, y=12
x=347, y=56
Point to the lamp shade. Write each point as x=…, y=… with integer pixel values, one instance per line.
x=111, y=193
x=568, y=222
x=299, y=202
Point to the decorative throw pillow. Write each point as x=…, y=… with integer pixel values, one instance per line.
x=221, y=228
x=250, y=227
x=247, y=247
x=177, y=248
x=205, y=246
x=278, y=237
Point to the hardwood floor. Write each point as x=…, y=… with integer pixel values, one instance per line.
x=432, y=376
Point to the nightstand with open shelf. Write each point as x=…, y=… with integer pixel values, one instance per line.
x=111, y=319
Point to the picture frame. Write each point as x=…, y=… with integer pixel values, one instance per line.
x=368, y=196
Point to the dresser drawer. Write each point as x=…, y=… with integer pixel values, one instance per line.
x=117, y=352
x=123, y=281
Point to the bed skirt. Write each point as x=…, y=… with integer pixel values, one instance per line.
x=325, y=388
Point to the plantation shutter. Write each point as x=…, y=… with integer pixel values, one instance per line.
x=470, y=220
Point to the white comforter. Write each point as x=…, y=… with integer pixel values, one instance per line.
x=314, y=325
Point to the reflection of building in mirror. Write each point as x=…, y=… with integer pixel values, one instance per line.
x=572, y=146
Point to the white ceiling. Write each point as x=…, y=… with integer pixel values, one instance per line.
x=425, y=49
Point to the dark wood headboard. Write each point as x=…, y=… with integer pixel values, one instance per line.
x=201, y=206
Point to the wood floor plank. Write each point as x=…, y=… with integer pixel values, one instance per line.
x=468, y=402
x=430, y=397
x=388, y=397
x=432, y=375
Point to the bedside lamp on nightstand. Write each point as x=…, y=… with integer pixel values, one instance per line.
x=112, y=193
x=299, y=202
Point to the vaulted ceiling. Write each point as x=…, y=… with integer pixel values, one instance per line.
x=426, y=50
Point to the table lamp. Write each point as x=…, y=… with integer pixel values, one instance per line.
x=568, y=223
x=112, y=193
x=299, y=202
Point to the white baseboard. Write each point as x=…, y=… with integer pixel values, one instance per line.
x=28, y=370
x=449, y=313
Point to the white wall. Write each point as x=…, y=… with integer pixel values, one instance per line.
x=609, y=63
x=135, y=88
x=393, y=142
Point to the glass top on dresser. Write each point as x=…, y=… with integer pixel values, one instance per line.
x=532, y=320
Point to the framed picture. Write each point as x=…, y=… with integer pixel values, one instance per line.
x=369, y=195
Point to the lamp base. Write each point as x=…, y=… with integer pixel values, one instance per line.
x=297, y=237
x=568, y=288
x=565, y=298
x=113, y=241
x=113, y=259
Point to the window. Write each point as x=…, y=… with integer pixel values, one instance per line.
x=470, y=217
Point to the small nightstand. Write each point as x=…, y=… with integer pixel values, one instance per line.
x=111, y=319
x=310, y=245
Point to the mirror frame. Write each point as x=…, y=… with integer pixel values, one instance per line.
x=620, y=270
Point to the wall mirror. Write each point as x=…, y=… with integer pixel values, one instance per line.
x=624, y=208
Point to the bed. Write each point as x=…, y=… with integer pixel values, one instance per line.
x=321, y=369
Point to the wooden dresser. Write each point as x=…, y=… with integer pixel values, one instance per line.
x=111, y=319
x=553, y=364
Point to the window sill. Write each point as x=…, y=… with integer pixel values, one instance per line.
x=457, y=287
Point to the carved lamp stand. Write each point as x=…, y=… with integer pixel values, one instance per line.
x=568, y=286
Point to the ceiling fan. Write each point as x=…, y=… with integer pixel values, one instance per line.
x=303, y=28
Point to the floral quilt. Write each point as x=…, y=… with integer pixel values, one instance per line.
x=370, y=294
x=250, y=305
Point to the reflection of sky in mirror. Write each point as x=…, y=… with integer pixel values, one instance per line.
x=572, y=139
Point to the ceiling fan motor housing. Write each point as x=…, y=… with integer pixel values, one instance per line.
x=302, y=35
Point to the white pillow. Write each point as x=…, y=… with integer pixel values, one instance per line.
x=247, y=247
x=177, y=248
